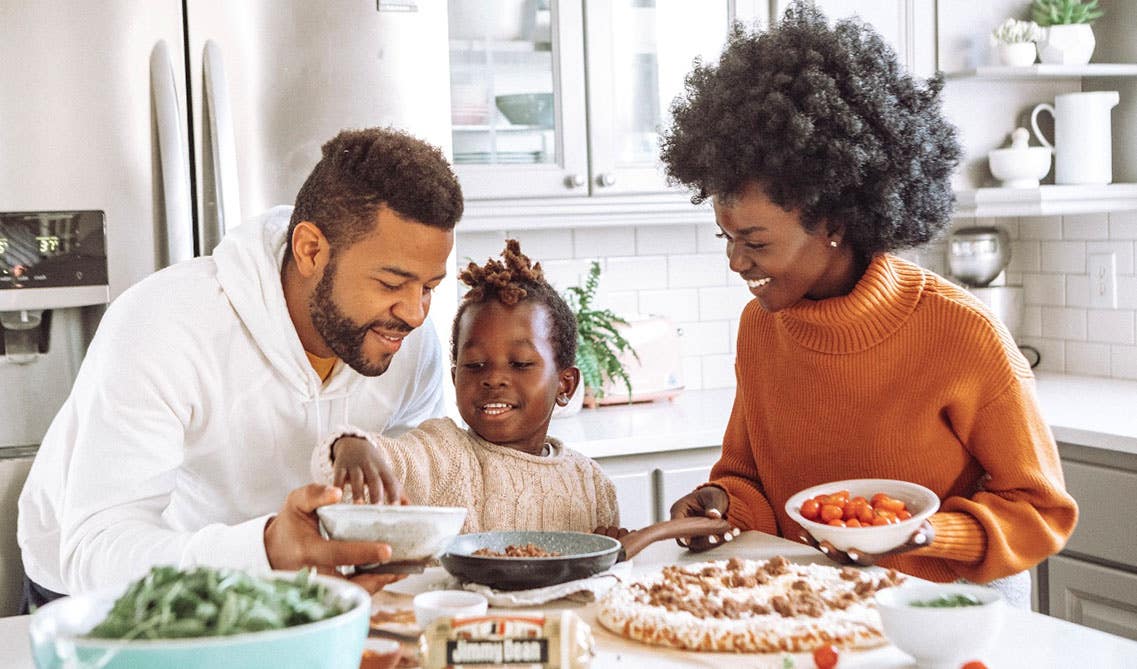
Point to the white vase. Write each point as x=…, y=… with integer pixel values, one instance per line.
x=1066, y=44
x=1019, y=54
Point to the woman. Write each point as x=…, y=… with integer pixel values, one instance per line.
x=822, y=156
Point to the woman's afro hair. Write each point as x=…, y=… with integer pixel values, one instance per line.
x=827, y=122
x=511, y=280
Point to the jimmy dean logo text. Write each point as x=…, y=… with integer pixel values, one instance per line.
x=504, y=651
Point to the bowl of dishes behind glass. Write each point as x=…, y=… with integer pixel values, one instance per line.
x=415, y=533
x=871, y=515
x=206, y=618
x=940, y=624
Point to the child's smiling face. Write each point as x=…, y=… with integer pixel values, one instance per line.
x=505, y=377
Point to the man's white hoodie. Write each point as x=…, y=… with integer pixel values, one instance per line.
x=193, y=415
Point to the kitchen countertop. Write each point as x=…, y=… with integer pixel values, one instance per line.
x=1026, y=639
x=1085, y=410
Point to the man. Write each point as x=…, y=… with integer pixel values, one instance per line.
x=207, y=384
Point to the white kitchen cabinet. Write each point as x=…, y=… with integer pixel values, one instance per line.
x=676, y=479
x=635, y=488
x=599, y=74
x=648, y=483
x=908, y=26
x=1093, y=595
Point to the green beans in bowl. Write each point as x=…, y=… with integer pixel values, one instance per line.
x=205, y=617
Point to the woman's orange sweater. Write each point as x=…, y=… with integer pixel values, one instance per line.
x=906, y=377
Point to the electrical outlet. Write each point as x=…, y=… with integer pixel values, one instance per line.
x=1103, y=280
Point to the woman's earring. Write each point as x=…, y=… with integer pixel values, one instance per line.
x=833, y=243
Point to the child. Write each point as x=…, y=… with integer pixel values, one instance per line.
x=512, y=351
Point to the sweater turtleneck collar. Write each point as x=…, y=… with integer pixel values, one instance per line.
x=878, y=305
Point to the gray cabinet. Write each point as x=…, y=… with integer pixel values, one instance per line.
x=647, y=484
x=1093, y=595
x=1093, y=582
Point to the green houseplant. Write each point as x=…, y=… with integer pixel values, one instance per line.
x=599, y=343
x=1064, y=12
x=1067, y=36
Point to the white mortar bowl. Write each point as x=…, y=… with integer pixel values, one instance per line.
x=1020, y=168
x=920, y=502
x=413, y=532
x=940, y=637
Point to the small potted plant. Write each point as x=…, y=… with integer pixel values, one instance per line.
x=1067, y=37
x=599, y=343
x=1015, y=42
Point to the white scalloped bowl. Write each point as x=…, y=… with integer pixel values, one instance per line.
x=920, y=502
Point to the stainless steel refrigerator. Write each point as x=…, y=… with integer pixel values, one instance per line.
x=133, y=133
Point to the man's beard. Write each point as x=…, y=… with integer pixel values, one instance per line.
x=343, y=335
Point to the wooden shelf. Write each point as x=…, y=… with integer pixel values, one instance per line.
x=1046, y=200
x=1039, y=71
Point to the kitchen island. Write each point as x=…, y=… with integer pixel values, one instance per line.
x=1025, y=640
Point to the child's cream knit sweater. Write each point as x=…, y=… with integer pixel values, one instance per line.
x=441, y=464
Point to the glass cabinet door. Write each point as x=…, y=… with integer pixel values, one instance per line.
x=517, y=97
x=638, y=55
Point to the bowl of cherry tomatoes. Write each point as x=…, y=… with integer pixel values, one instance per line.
x=871, y=515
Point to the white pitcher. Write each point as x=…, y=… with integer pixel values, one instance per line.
x=1083, y=152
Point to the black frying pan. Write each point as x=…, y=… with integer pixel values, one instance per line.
x=581, y=555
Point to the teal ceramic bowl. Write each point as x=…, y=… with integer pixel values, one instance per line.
x=57, y=631
x=527, y=108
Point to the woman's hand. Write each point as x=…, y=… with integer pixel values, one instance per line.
x=710, y=501
x=359, y=464
x=922, y=537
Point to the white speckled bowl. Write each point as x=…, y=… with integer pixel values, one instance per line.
x=414, y=532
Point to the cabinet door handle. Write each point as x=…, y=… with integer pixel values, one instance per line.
x=606, y=179
x=574, y=181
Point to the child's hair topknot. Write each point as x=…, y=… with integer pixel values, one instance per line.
x=511, y=280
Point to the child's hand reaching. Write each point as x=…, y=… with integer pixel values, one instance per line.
x=357, y=463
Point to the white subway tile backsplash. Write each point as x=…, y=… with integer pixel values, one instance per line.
x=666, y=240
x=705, y=338
x=1063, y=323
x=603, y=242
x=1044, y=289
x=554, y=244
x=1077, y=290
x=1086, y=358
x=1123, y=225
x=1085, y=226
x=1032, y=321
x=621, y=302
x=1127, y=292
x=564, y=273
x=1123, y=362
x=1051, y=354
x=706, y=241
x=718, y=371
x=479, y=246
x=1026, y=256
x=1109, y=325
x=1064, y=257
x=693, y=372
x=635, y=273
x=1040, y=227
x=680, y=304
x=723, y=303
x=697, y=271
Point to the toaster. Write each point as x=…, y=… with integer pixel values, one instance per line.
x=658, y=371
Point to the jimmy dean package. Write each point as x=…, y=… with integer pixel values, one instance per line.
x=553, y=639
